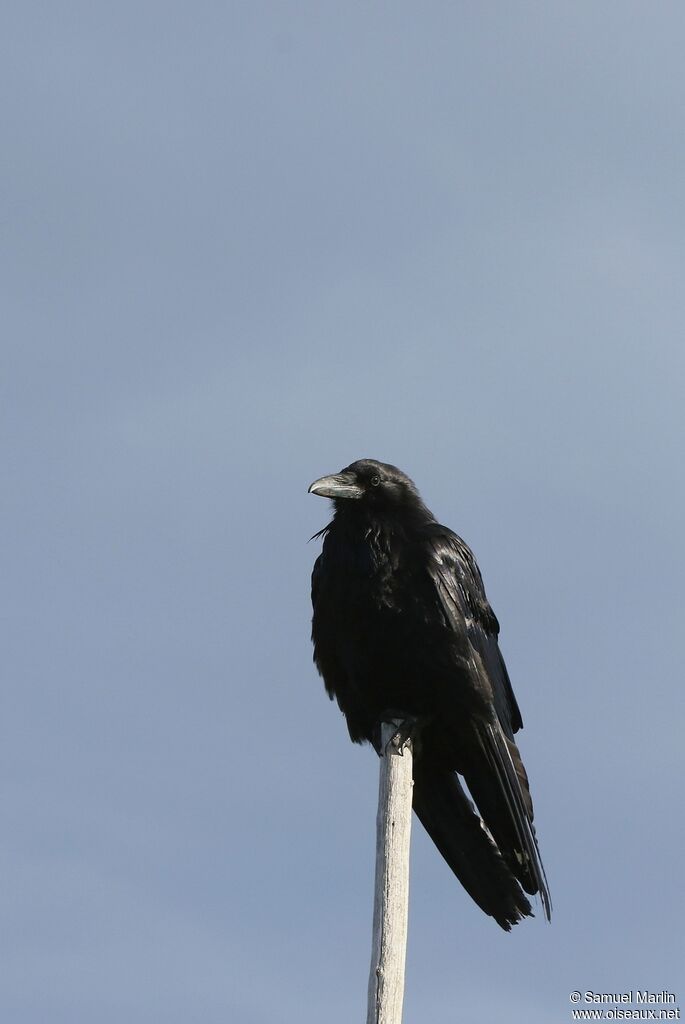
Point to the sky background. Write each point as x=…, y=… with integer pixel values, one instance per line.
x=242, y=245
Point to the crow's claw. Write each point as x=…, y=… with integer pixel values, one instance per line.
x=407, y=730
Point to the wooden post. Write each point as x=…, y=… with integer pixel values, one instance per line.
x=391, y=898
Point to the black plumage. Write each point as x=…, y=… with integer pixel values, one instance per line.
x=402, y=628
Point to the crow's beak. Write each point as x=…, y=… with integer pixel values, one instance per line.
x=342, y=485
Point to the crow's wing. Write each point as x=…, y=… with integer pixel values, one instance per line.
x=461, y=596
x=495, y=774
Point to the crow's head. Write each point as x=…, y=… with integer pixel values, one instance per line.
x=369, y=484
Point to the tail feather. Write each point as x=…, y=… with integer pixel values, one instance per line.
x=449, y=817
x=503, y=798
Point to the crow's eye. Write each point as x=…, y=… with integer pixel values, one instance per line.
x=375, y=480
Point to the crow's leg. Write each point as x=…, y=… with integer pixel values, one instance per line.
x=408, y=729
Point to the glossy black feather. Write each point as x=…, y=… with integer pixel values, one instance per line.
x=401, y=623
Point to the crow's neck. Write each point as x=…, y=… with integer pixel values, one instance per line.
x=381, y=527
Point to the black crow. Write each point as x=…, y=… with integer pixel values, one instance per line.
x=402, y=628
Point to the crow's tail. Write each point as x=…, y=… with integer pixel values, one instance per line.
x=498, y=783
x=449, y=817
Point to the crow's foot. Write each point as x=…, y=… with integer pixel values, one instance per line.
x=407, y=731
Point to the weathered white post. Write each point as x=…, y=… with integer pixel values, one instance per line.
x=391, y=898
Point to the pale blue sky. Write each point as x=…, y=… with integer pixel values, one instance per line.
x=242, y=245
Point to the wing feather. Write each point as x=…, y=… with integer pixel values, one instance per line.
x=495, y=772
